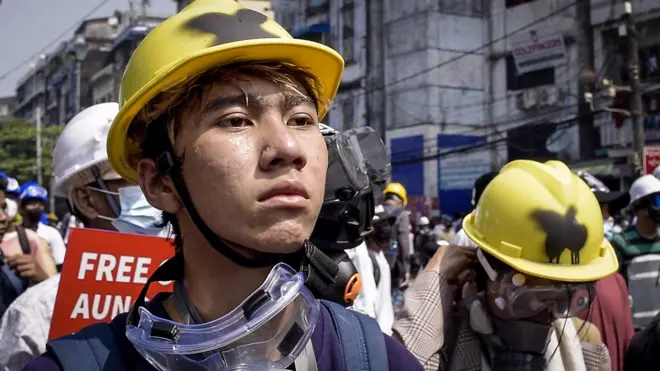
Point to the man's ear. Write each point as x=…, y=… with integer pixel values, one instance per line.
x=84, y=203
x=157, y=188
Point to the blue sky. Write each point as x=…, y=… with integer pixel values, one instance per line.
x=27, y=26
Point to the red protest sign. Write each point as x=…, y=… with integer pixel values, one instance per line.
x=651, y=159
x=102, y=276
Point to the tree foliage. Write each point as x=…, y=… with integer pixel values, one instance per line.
x=18, y=149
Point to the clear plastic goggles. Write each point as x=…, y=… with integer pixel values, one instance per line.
x=523, y=297
x=267, y=331
x=356, y=157
x=526, y=301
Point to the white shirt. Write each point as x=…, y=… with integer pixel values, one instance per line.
x=55, y=241
x=384, y=309
x=368, y=296
x=462, y=239
x=25, y=325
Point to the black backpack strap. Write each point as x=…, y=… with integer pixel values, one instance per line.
x=93, y=348
x=362, y=341
x=23, y=240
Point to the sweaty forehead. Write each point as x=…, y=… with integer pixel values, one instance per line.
x=254, y=92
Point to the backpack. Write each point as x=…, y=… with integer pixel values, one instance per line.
x=94, y=347
x=11, y=284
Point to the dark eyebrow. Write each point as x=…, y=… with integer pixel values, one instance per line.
x=224, y=102
x=294, y=99
x=243, y=100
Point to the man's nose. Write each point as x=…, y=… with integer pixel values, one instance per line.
x=281, y=148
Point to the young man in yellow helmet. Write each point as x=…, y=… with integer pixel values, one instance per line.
x=219, y=124
x=507, y=304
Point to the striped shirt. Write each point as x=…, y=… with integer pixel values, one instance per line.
x=629, y=244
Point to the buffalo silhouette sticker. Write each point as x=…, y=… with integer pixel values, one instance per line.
x=563, y=232
x=245, y=24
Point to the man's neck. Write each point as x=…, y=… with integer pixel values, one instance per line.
x=30, y=225
x=215, y=284
x=646, y=228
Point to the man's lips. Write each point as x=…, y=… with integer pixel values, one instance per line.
x=285, y=189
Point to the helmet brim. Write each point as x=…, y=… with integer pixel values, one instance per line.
x=596, y=269
x=319, y=60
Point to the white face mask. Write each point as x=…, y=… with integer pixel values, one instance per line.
x=11, y=210
x=137, y=216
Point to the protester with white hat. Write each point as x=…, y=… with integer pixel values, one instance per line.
x=638, y=249
x=84, y=176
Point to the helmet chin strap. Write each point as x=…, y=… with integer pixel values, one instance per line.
x=167, y=165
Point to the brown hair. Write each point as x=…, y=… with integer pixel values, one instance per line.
x=165, y=111
x=169, y=106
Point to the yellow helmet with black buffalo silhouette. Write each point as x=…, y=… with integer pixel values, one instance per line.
x=542, y=220
x=204, y=35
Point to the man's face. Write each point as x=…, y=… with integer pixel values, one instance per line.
x=4, y=219
x=254, y=163
x=30, y=208
x=92, y=203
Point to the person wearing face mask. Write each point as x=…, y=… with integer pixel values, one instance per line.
x=219, y=125
x=396, y=199
x=379, y=242
x=511, y=303
x=638, y=250
x=32, y=203
x=84, y=177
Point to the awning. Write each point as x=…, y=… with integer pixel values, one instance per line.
x=312, y=29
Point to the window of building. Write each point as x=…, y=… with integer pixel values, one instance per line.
x=468, y=8
x=348, y=34
x=515, y=81
x=512, y=3
x=649, y=63
x=348, y=114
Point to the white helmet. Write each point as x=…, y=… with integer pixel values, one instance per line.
x=82, y=146
x=644, y=186
x=424, y=221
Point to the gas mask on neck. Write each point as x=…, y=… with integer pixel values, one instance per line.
x=523, y=314
x=357, y=159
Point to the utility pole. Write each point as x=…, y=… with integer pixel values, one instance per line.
x=585, y=44
x=375, y=67
x=635, y=86
x=39, y=172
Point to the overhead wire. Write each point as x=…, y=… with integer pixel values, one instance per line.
x=66, y=32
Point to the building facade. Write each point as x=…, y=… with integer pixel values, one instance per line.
x=7, y=106
x=106, y=80
x=262, y=6
x=60, y=83
x=611, y=53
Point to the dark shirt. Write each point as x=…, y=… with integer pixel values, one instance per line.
x=325, y=340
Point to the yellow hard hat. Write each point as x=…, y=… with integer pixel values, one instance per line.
x=397, y=189
x=204, y=35
x=542, y=220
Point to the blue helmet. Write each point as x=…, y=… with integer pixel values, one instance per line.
x=33, y=191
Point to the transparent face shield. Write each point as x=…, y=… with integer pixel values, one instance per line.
x=268, y=330
x=524, y=296
x=356, y=158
